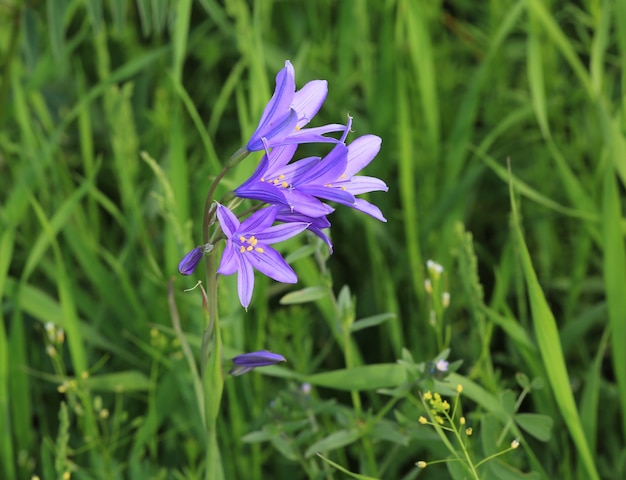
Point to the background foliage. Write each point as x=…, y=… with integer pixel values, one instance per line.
x=113, y=118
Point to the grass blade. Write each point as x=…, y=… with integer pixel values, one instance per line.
x=549, y=343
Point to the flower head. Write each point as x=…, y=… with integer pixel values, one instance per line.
x=300, y=185
x=248, y=361
x=288, y=111
x=247, y=248
x=190, y=261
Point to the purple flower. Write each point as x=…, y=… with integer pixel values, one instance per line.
x=247, y=248
x=190, y=261
x=300, y=185
x=248, y=361
x=296, y=185
x=288, y=111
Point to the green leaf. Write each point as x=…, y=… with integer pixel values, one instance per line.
x=368, y=377
x=130, y=381
x=335, y=440
x=372, y=321
x=309, y=294
x=539, y=426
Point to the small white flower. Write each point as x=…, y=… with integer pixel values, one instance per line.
x=442, y=365
x=434, y=267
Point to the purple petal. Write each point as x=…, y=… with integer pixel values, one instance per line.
x=280, y=233
x=259, y=221
x=329, y=193
x=329, y=169
x=190, y=261
x=245, y=282
x=281, y=156
x=263, y=191
x=308, y=100
x=229, y=263
x=306, y=204
x=258, y=174
x=228, y=220
x=283, y=94
x=271, y=264
x=284, y=215
x=372, y=210
x=313, y=135
x=297, y=169
x=274, y=132
x=262, y=358
x=361, y=152
x=277, y=115
x=363, y=184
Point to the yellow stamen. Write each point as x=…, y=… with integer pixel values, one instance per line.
x=242, y=239
x=242, y=249
x=250, y=248
x=285, y=184
x=259, y=249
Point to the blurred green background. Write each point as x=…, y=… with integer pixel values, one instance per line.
x=115, y=116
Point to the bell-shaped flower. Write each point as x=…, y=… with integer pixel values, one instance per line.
x=300, y=185
x=288, y=111
x=247, y=248
x=247, y=361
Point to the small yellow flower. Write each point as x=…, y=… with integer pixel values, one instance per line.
x=469, y=431
x=459, y=388
x=67, y=476
x=439, y=419
x=422, y=420
x=462, y=420
x=445, y=405
x=428, y=395
x=104, y=413
x=421, y=464
x=515, y=444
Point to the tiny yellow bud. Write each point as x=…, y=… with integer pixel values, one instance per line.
x=422, y=420
x=35, y=477
x=469, y=431
x=445, y=405
x=104, y=413
x=84, y=375
x=439, y=419
x=421, y=464
x=67, y=476
x=459, y=388
x=515, y=444
x=428, y=286
x=462, y=420
x=154, y=332
x=428, y=395
x=62, y=388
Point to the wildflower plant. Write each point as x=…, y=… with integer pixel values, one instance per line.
x=454, y=430
x=289, y=196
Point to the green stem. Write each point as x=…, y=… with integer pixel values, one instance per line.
x=211, y=355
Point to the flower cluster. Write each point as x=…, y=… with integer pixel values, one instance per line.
x=291, y=193
x=448, y=421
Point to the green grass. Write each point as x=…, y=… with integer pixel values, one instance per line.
x=116, y=116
